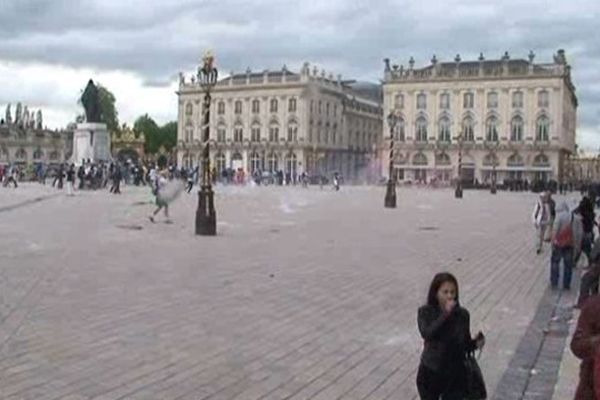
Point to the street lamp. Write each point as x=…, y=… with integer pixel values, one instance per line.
x=390, y=194
x=458, y=193
x=206, y=217
x=494, y=162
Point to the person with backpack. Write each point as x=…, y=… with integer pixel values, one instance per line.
x=585, y=344
x=567, y=232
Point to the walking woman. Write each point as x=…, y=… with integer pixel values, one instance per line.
x=444, y=326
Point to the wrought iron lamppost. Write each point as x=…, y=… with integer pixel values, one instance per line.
x=458, y=193
x=206, y=216
x=494, y=162
x=390, y=194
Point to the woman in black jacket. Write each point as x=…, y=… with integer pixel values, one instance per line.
x=444, y=326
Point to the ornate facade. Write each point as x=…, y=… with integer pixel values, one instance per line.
x=510, y=117
x=24, y=141
x=127, y=144
x=294, y=122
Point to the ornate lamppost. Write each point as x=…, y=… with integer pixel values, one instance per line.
x=206, y=217
x=390, y=194
x=494, y=162
x=458, y=193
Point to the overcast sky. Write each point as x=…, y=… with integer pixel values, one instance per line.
x=49, y=48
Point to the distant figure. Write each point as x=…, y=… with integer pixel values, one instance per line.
x=566, y=239
x=336, y=181
x=70, y=179
x=541, y=219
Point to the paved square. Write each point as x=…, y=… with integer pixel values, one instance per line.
x=305, y=293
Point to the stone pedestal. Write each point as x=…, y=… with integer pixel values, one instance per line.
x=91, y=141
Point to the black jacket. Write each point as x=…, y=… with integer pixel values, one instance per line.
x=447, y=336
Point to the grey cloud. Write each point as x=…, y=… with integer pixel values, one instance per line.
x=158, y=39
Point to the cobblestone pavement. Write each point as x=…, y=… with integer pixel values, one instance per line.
x=304, y=294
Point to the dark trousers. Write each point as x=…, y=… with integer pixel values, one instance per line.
x=190, y=184
x=434, y=385
x=566, y=255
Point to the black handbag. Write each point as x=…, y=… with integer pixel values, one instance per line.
x=475, y=389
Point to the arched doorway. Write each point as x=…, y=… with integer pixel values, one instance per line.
x=128, y=155
x=237, y=161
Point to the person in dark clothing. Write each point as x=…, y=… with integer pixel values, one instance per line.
x=585, y=344
x=445, y=328
x=59, y=177
x=117, y=176
x=588, y=217
x=81, y=176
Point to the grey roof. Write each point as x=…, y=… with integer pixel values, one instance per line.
x=369, y=90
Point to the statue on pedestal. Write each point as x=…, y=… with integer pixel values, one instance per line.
x=8, y=116
x=18, y=114
x=90, y=99
x=39, y=120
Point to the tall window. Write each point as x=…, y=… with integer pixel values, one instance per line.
x=238, y=107
x=399, y=134
x=189, y=133
x=255, y=133
x=255, y=162
x=492, y=100
x=189, y=109
x=238, y=134
x=491, y=130
x=327, y=109
x=221, y=134
x=334, y=134
x=255, y=106
x=517, y=100
x=273, y=133
x=399, y=101
x=468, y=130
x=220, y=162
x=421, y=126
x=273, y=162
x=542, y=129
x=445, y=101
x=292, y=105
x=221, y=108
x=38, y=154
x=320, y=106
x=292, y=132
x=516, y=129
x=444, y=134
x=468, y=100
x=421, y=101
x=273, y=105
x=543, y=99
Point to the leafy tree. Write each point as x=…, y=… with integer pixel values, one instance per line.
x=146, y=126
x=110, y=115
x=168, y=135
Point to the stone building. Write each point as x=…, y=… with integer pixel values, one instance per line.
x=24, y=141
x=511, y=118
x=281, y=120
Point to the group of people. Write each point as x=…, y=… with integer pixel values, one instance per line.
x=571, y=232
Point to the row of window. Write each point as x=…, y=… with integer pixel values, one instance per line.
x=319, y=107
x=469, y=100
x=255, y=106
x=21, y=154
x=468, y=134
x=489, y=159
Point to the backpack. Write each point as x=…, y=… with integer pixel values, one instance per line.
x=564, y=237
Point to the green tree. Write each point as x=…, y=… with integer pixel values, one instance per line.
x=110, y=115
x=146, y=126
x=168, y=135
